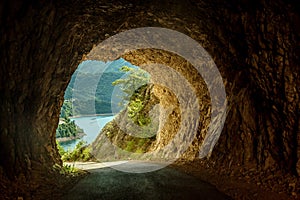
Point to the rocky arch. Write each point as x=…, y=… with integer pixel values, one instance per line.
x=254, y=44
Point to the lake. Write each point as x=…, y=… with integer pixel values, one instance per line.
x=91, y=126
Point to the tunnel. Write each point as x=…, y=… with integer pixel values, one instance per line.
x=254, y=44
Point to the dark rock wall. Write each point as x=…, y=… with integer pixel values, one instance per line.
x=255, y=44
x=27, y=82
x=261, y=44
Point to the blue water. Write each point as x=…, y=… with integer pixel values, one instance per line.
x=91, y=127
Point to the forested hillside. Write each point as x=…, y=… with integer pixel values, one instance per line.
x=91, y=84
x=68, y=129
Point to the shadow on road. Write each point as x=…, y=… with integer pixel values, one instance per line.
x=104, y=182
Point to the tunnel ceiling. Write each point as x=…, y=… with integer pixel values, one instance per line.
x=254, y=44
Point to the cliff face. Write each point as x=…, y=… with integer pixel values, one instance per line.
x=254, y=44
x=128, y=138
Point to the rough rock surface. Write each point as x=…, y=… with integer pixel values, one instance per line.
x=170, y=113
x=255, y=44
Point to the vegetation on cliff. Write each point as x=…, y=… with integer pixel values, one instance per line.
x=133, y=130
x=81, y=152
x=135, y=78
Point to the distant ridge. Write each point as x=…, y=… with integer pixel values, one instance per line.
x=91, y=74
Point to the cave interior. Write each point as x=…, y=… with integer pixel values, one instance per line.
x=255, y=45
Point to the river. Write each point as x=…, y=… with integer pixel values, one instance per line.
x=91, y=126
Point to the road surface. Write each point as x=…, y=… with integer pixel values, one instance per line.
x=107, y=183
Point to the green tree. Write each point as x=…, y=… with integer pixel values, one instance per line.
x=60, y=149
x=135, y=78
x=67, y=129
x=82, y=152
x=66, y=109
x=136, y=94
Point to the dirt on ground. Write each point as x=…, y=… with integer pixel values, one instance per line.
x=242, y=184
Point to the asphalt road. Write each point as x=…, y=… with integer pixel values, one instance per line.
x=107, y=183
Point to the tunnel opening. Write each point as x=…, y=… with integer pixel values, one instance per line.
x=154, y=98
x=94, y=96
x=97, y=92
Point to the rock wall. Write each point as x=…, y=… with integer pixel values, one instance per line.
x=255, y=44
x=168, y=144
x=263, y=122
x=125, y=138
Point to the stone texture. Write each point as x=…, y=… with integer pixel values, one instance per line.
x=254, y=44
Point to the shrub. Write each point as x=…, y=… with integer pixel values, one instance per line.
x=82, y=152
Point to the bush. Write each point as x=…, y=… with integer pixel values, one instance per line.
x=82, y=152
x=130, y=146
